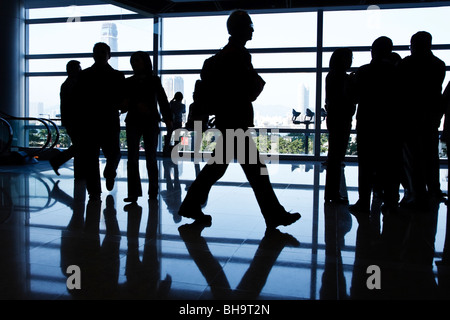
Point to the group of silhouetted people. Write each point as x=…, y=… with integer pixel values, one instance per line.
x=399, y=105
x=95, y=97
x=91, y=103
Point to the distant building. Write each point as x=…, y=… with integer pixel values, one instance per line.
x=168, y=87
x=172, y=85
x=178, y=85
x=304, y=99
x=109, y=36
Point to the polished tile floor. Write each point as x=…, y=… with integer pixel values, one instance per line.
x=52, y=240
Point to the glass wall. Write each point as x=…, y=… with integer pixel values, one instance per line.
x=286, y=50
x=57, y=35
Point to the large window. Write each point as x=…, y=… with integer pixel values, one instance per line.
x=57, y=35
x=281, y=51
x=286, y=50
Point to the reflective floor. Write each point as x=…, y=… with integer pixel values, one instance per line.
x=55, y=244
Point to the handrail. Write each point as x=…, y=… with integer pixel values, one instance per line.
x=28, y=150
x=7, y=146
x=57, y=135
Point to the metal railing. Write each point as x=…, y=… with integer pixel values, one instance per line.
x=31, y=135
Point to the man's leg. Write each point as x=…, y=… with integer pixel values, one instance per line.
x=198, y=192
x=133, y=177
x=256, y=173
x=89, y=157
x=151, y=144
x=111, y=150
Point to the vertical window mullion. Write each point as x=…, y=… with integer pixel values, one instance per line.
x=157, y=43
x=319, y=58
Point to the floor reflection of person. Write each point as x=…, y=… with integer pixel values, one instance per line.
x=254, y=279
x=143, y=274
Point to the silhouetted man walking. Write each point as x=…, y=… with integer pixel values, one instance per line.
x=100, y=93
x=70, y=118
x=239, y=85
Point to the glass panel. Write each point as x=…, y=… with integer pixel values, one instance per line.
x=297, y=29
x=185, y=62
x=44, y=99
x=351, y=147
x=273, y=108
x=43, y=95
x=271, y=31
x=76, y=11
x=362, y=27
x=59, y=65
x=284, y=60
x=180, y=82
x=194, y=33
x=55, y=65
x=80, y=37
x=259, y=60
x=282, y=93
x=296, y=143
x=359, y=58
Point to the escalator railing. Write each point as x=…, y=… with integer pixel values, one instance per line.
x=55, y=134
x=6, y=136
x=32, y=137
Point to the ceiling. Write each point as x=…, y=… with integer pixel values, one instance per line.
x=169, y=7
x=156, y=7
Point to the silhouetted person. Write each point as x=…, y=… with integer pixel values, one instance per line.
x=445, y=261
x=340, y=107
x=100, y=97
x=422, y=77
x=142, y=95
x=178, y=109
x=377, y=127
x=70, y=118
x=239, y=85
x=97, y=259
x=192, y=116
x=143, y=270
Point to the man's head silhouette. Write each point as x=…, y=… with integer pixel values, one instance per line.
x=73, y=68
x=102, y=53
x=240, y=25
x=421, y=43
x=382, y=48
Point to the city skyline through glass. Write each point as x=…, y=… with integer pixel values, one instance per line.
x=283, y=47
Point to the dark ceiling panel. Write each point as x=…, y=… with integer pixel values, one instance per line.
x=186, y=6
